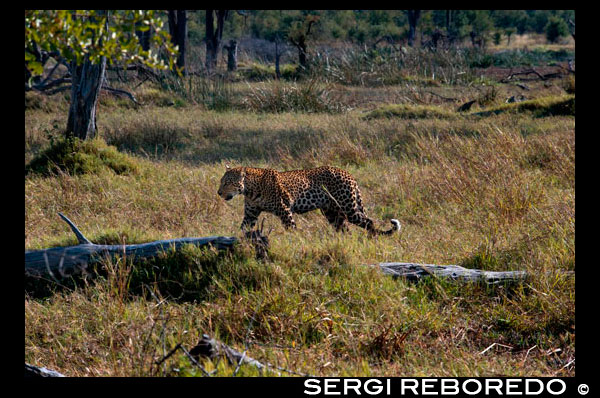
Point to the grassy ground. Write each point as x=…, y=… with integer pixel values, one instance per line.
x=493, y=192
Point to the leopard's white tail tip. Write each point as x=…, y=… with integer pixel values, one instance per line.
x=396, y=224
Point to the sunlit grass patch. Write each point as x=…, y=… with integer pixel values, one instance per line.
x=539, y=107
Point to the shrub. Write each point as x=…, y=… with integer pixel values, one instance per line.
x=75, y=156
x=555, y=29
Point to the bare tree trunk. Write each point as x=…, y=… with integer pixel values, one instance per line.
x=277, y=58
x=302, y=52
x=178, y=30
x=213, y=36
x=413, y=20
x=86, y=82
x=231, y=55
x=301, y=45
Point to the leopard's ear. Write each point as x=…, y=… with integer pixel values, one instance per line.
x=227, y=167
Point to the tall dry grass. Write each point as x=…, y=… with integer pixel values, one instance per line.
x=493, y=192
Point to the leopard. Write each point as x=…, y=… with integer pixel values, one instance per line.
x=332, y=190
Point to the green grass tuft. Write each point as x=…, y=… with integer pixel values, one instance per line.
x=74, y=156
x=539, y=107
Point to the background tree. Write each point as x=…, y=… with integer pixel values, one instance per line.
x=481, y=26
x=231, y=49
x=555, y=29
x=214, y=35
x=179, y=31
x=413, y=20
x=298, y=35
x=509, y=32
x=85, y=41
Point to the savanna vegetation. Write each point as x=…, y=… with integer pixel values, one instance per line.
x=490, y=187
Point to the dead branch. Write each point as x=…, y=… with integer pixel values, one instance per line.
x=34, y=371
x=48, y=89
x=210, y=348
x=117, y=92
x=532, y=71
x=76, y=260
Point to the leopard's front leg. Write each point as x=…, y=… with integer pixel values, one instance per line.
x=285, y=214
x=251, y=214
x=288, y=220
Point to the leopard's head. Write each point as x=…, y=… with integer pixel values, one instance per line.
x=232, y=183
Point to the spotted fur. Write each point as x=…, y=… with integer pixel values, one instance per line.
x=330, y=189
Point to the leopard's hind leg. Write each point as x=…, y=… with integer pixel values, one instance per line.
x=336, y=218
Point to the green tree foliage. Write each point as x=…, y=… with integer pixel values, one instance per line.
x=481, y=25
x=77, y=35
x=85, y=40
x=555, y=29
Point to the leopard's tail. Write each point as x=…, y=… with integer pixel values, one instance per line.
x=395, y=228
x=395, y=223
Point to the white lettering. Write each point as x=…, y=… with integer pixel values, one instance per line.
x=449, y=387
x=539, y=383
x=405, y=387
x=497, y=386
x=331, y=383
x=564, y=387
x=464, y=387
x=312, y=383
x=428, y=383
x=355, y=387
x=377, y=390
x=510, y=384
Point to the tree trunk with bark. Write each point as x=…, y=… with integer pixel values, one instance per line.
x=179, y=31
x=277, y=59
x=86, y=83
x=213, y=36
x=413, y=20
x=299, y=40
x=231, y=55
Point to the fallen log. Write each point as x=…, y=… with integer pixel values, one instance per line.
x=34, y=371
x=75, y=260
x=211, y=348
x=415, y=272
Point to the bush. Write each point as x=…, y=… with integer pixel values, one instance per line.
x=555, y=29
x=74, y=156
